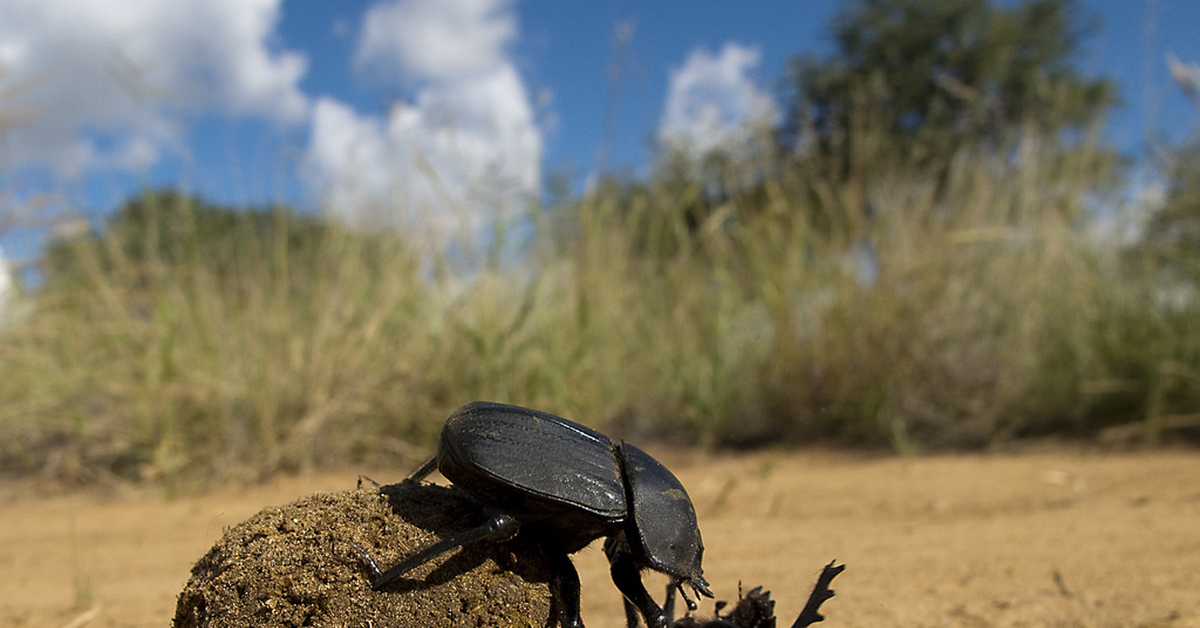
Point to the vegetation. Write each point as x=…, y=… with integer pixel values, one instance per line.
x=946, y=72
x=833, y=289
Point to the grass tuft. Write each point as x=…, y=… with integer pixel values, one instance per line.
x=185, y=342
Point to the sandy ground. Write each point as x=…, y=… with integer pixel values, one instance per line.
x=1060, y=538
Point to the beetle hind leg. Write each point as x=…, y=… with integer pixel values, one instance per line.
x=498, y=529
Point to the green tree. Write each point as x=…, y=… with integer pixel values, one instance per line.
x=920, y=79
x=1173, y=230
x=165, y=228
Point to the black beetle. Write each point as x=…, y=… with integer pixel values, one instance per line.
x=565, y=485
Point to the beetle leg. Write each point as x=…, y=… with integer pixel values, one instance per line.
x=498, y=529
x=677, y=585
x=628, y=578
x=673, y=587
x=631, y=613
x=372, y=568
x=422, y=471
x=564, y=588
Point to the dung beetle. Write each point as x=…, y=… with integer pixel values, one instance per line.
x=564, y=485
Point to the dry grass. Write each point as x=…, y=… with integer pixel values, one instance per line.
x=895, y=310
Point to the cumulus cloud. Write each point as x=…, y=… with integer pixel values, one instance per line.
x=713, y=101
x=104, y=83
x=466, y=140
x=1187, y=75
x=5, y=286
x=435, y=39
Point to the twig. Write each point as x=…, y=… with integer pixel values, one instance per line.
x=84, y=619
x=820, y=593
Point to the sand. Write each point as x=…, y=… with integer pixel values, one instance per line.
x=1047, y=538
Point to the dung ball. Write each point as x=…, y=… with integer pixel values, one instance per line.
x=304, y=564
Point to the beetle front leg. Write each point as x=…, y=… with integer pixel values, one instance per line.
x=631, y=613
x=628, y=578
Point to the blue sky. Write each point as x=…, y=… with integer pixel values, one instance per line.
x=408, y=107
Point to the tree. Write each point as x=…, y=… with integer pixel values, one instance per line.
x=920, y=79
x=1173, y=229
x=169, y=227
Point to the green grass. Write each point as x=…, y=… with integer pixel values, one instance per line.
x=989, y=310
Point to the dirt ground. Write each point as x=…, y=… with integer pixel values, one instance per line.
x=1044, y=538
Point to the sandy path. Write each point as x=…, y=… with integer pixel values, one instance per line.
x=1040, y=539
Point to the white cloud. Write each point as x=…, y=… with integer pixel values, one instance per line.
x=1187, y=75
x=435, y=40
x=5, y=283
x=348, y=150
x=105, y=83
x=467, y=140
x=714, y=102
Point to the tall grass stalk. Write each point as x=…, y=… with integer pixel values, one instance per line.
x=237, y=355
x=894, y=309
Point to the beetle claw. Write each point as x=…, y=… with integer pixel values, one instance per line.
x=372, y=568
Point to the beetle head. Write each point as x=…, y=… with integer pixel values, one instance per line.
x=663, y=529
